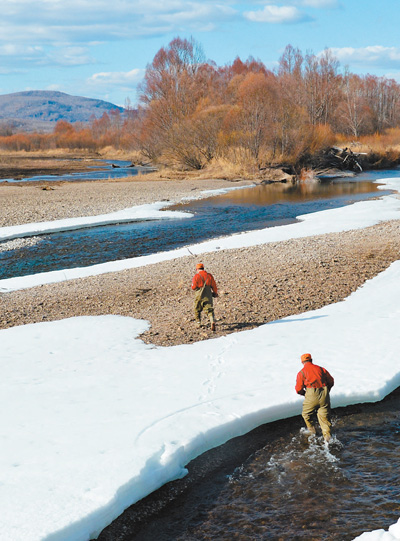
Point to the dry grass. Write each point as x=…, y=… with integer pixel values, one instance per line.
x=218, y=169
x=232, y=168
x=380, y=150
x=45, y=154
x=236, y=164
x=110, y=153
x=21, y=166
x=389, y=141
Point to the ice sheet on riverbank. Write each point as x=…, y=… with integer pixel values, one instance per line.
x=93, y=419
x=134, y=214
x=139, y=213
x=356, y=216
x=381, y=535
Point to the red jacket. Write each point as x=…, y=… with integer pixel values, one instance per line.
x=313, y=376
x=202, y=278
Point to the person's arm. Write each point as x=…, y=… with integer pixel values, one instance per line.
x=300, y=384
x=214, y=286
x=195, y=284
x=329, y=380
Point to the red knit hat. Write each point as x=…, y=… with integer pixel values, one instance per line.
x=306, y=357
x=199, y=266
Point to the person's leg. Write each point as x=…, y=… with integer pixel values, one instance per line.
x=197, y=310
x=310, y=404
x=324, y=414
x=209, y=308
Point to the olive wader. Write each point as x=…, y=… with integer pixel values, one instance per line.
x=318, y=399
x=203, y=300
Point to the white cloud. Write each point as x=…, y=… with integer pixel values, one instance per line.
x=59, y=33
x=53, y=87
x=115, y=86
x=320, y=4
x=71, y=56
x=374, y=55
x=393, y=75
x=88, y=20
x=124, y=79
x=276, y=15
x=12, y=49
x=41, y=56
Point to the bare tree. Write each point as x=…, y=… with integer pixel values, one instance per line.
x=322, y=86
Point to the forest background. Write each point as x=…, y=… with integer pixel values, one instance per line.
x=241, y=117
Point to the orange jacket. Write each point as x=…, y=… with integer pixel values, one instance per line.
x=202, y=278
x=313, y=376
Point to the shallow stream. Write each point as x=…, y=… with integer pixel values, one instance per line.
x=235, y=211
x=283, y=485
x=104, y=170
x=273, y=483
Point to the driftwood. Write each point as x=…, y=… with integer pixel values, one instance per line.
x=343, y=158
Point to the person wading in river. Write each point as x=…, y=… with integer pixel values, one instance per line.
x=205, y=287
x=315, y=383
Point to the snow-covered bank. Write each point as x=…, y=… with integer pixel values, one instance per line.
x=356, y=216
x=93, y=419
x=151, y=211
x=133, y=214
x=381, y=535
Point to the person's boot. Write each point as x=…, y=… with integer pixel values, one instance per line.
x=198, y=323
x=311, y=429
x=212, y=321
x=327, y=438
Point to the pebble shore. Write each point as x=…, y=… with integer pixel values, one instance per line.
x=45, y=201
x=257, y=285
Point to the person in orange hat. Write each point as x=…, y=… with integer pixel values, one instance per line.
x=314, y=383
x=204, y=285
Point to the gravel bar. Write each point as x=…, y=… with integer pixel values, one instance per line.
x=257, y=285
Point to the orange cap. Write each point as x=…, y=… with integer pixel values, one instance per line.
x=306, y=357
x=199, y=266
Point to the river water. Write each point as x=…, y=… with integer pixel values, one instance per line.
x=103, y=171
x=276, y=483
x=235, y=211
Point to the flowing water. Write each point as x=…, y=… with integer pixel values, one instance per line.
x=291, y=487
x=238, y=210
x=274, y=483
x=105, y=170
x=299, y=489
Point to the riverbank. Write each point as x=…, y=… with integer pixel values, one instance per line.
x=188, y=505
x=46, y=201
x=257, y=284
x=18, y=165
x=127, y=417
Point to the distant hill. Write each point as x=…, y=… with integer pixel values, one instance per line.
x=41, y=109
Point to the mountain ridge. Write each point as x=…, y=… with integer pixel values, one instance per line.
x=33, y=110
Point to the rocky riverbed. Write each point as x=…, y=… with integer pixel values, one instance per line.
x=34, y=201
x=257, y=284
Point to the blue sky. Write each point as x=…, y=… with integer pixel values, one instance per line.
x=100, y=48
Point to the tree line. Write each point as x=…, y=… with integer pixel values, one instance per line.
x=192, y=111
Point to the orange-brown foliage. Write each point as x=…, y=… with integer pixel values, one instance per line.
x=192, y=111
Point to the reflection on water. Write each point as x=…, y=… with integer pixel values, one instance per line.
x=233, y=212
x=104, y=171
x=277, y=192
